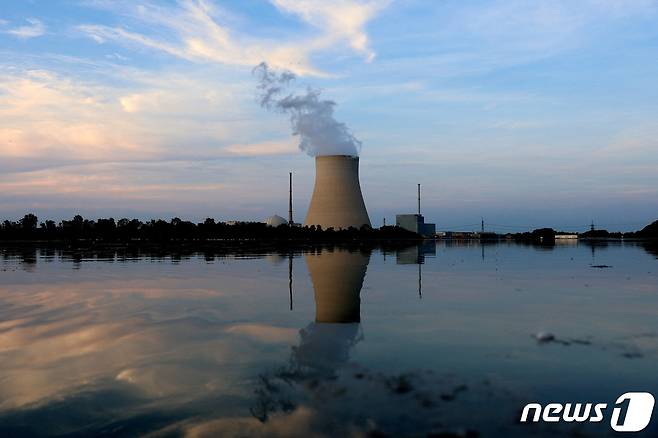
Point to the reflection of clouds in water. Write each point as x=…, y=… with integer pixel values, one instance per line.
x=320, y=383
x=325, y=346
x=264, y=333
x=179, y=356
x=302, y=422
x=371, y=403
x=59, y=340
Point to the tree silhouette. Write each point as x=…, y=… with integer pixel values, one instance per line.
x=134, y=231
x=29, y=222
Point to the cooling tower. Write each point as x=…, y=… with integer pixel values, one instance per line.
x=337, y=201
x=337, y=277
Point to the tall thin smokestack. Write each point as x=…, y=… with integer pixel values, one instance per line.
x=290, y=221
x=337, y=201
x=419, y=199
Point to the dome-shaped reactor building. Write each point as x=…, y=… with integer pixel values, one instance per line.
x=337, y=201
x=275, y=221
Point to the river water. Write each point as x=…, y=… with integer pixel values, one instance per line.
x=442, y=339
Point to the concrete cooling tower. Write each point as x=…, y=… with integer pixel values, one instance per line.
x=337, y=277
x=337, y=200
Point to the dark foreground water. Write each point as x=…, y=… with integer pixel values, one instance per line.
x=436, y=340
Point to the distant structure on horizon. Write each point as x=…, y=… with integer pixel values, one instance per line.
x=275, y=221
x=415, y=222
x=291, y=222
x=337, y=201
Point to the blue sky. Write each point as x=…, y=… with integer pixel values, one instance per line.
x=529, y=113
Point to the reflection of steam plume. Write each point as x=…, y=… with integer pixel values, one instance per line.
x=337, y=276
x=311, y=118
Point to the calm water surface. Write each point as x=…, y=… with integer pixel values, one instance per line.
x=426, y=340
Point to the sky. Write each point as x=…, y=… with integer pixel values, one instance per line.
x=526, y=113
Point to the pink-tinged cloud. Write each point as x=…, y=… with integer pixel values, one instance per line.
x=263, y=148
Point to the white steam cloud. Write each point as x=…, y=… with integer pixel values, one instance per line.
x=312, y=119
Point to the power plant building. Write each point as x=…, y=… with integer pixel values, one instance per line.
x=337, y=201
x=415, y=223
x=275, y=221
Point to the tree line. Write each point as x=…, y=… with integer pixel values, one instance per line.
x=158, y=230
x=548, y=234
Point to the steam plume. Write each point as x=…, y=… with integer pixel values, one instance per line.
x=312, y=119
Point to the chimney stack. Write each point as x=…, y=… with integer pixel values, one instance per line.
x=290, y=221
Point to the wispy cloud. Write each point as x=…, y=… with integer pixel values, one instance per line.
x=34, y=29
x=342, y=20
x=199, y=36
x=117, y=57
x=47, y=114
x=472, y=90
x=633, y=143
x=480, y=37
x=263, y=148
x=139, y=144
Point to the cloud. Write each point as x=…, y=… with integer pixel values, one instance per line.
x=189, y=189
x=141, y=101
x=263, y=148
x=43, y=114
x=157, y=120
x=136, y=141
x=116, y=56
x=101, y=34
x=35, y=29
x=148, y=116
x=339, y=20
x=634, y=143
x=198, y=35
x=481, y=37
x=108, y=181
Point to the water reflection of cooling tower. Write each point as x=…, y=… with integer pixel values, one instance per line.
x=337, y=278
x=337, y=200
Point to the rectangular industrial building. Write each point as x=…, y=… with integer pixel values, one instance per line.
x=415, y=223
